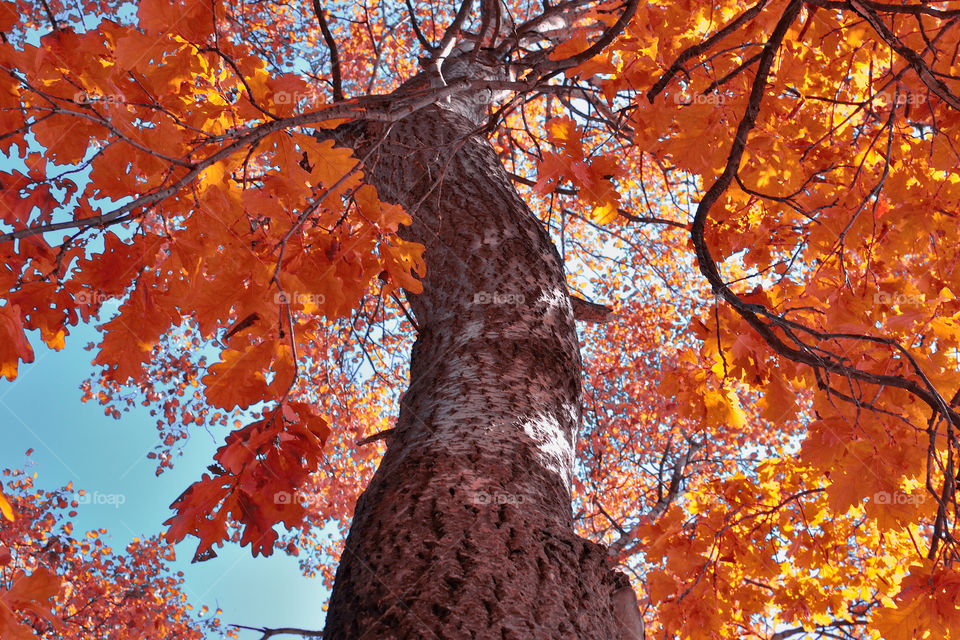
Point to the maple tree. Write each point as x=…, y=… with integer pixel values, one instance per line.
x=265, y=204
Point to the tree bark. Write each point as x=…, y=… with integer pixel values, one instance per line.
x=466, y=530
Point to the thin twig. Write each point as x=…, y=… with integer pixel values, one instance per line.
x=291, y=631
x=334, y=53
x=380, y=435
x=53, y=18
x=422, y=39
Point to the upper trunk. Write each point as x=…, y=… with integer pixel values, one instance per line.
x=466, y=529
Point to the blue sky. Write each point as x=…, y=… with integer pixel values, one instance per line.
x=75, y=442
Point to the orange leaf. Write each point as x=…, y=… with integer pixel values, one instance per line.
x=13, y=341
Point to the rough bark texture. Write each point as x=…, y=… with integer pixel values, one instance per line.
x=466, y=529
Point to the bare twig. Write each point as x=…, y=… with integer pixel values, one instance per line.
x=664, y=500
x=422, y=39
x=587, y=311
x=380, y=435
x=616, y=525
x=334, y=53
x=280, y=631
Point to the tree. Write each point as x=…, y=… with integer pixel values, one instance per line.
x=764, y=435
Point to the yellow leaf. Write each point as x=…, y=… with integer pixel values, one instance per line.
x=6, y=509
x=604, y=213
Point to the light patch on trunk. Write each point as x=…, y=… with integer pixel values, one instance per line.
x=552, y=445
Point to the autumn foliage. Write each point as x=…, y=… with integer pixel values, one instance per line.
x=57, y=583
x=766, y=194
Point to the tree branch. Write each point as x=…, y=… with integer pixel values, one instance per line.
x=422, y=39
x=803, y=353
x=664, y=501
x=379, y=435
x=443, y=49
x=50, y=16
x=587, y=311
x=279, y=631
x=389, y=108
x=334, y=54
x=597, y=47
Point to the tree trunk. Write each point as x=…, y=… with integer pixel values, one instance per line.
x=466, y=530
